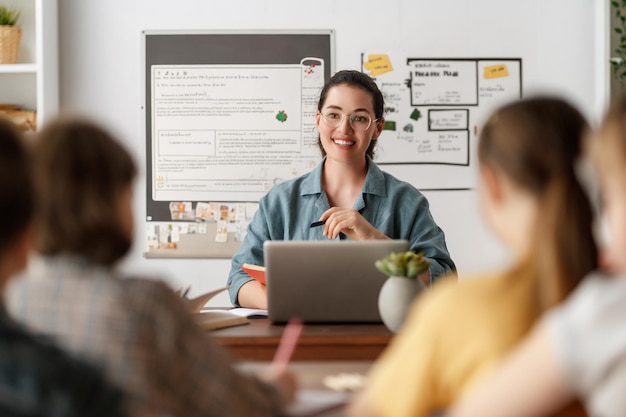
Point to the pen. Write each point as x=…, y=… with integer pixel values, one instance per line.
x=186, y=292
x=287, y=344
x=318, y=223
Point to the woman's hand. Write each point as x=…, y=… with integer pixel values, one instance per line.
x=349, y=222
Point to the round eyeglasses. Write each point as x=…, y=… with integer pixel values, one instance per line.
x=359, y=120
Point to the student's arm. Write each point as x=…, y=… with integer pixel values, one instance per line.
x=530, y=382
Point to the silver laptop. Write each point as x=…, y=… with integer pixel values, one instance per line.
x=326, y=281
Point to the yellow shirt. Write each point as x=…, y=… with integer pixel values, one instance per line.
x=455, y=333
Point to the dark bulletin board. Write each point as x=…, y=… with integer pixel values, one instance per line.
x=237, y=48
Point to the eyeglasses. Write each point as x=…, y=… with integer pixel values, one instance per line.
x=360, y=120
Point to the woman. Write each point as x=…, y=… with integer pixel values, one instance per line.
x=138, y=330
x=346, y=191
x=531, y=198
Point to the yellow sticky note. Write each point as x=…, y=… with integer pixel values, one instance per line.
x=496, y=71
x=378, y=64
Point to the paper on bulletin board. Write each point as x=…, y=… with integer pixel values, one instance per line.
x=200, y=229
x=433, y=111
x=378, y=64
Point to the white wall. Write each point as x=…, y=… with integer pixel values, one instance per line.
x=560, y=41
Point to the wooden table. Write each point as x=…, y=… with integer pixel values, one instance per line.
x=258, y=341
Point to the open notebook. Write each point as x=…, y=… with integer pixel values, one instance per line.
x=210, y=319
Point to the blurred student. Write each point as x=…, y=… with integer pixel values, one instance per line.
x=347, y=191
x=579, y=348
x=36, y=378
x=531, y=198
x=137, y=329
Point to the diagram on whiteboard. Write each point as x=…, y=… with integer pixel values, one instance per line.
x=434, y=109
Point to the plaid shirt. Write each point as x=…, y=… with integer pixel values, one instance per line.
x=39, y=379
x=141, y=332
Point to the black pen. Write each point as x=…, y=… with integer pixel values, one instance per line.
x=318, y=223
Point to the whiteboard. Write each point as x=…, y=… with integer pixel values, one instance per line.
x=434, y=108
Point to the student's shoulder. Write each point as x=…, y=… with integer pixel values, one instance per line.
x=150, y=291
x=34, y=369
x=449, y=296
x=597, y=298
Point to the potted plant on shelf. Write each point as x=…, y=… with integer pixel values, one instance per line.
x=401, y=286
x=618, y=54
x=10, y=35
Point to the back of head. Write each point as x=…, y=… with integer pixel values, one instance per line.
x=360, y=80
x=16, y=189
x=81, y=172
x=536, y=143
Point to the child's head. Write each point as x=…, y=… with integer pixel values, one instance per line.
x=16, y=201
x=83, y=180
x=534, y=145
x=607, y=148
x=359, y=80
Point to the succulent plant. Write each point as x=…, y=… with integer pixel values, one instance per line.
x=406, y=264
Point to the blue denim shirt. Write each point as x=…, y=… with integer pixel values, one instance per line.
x=394, y=207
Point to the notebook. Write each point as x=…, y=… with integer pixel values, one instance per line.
x=332, y=281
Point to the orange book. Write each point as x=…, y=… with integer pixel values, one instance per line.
x=255, y=271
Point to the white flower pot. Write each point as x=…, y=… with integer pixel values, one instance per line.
x=395, y=298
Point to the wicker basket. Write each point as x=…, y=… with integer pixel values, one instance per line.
x=10, y=38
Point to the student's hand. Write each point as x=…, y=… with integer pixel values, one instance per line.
x=349, y=222
x=283, y=379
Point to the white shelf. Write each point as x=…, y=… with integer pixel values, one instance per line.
x=18, y=68
x=33, y=83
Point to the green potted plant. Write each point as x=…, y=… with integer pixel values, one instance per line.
x=401, y=287
x=10, y=35
x=618, y=55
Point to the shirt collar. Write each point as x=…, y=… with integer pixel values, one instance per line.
x=374, y=181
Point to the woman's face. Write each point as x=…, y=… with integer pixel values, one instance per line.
x=347, y=141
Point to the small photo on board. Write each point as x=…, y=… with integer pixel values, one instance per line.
x=181, y=210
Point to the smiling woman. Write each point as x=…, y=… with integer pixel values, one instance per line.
x=347, y=192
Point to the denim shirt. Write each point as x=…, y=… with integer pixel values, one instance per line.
x=394, y=207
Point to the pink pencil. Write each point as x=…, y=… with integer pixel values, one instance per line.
x=287, y=344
